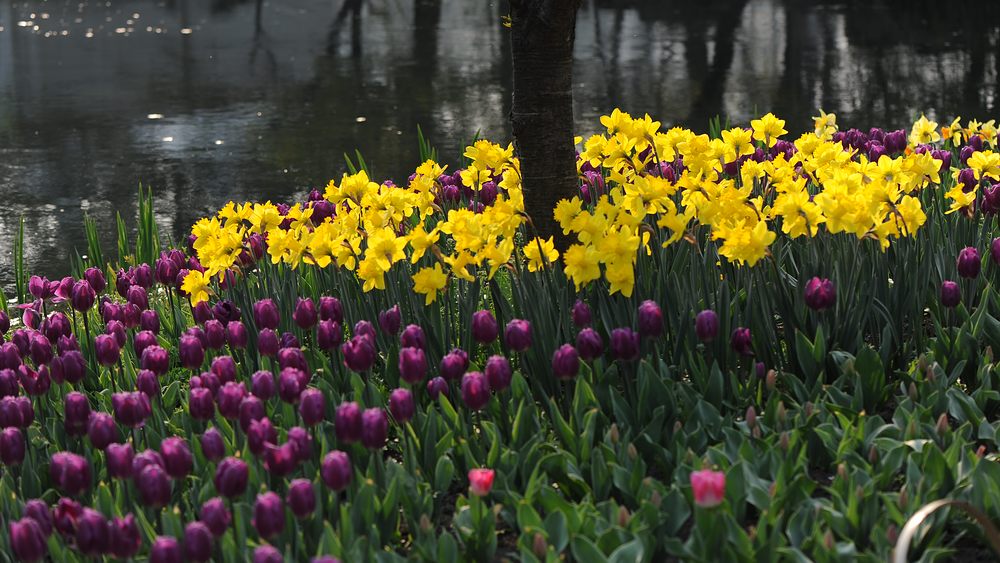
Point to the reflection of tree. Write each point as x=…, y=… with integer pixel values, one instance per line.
x=713, y=82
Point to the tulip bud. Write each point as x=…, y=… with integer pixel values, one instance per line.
x=708, y=487
x=951, y=295
x=539, y=546
x=177, y=458
x=565, y=362
x=224, y=367
x=92, y=537
x=215, y=515
x=76, y=413
x=200, y=403
x=820, y=294
x=741, y=342
x=751, y=417
x=82, y=296
x=312, y=406
x=374, y=428
x=131, y=408
x=119, y=460
x=401, y=405
x=624, y=344
x=149, y=320
x=330, y=309
x=101, y=430
x=329, y=335
x=624, y=516
x=267, y=343
x=517, y=335
x=771, y=380
x=301, y=498
x=412, y=365
x=155, y=359
x=484, y=327
x=124, y=540
x=968, y=262
x=269, y=515
x=359, y=353
x=454, y=364
x=27, y=540
x=475, y=390
x=266, y=315
x=942, y=426
x=336, y=470
x=498, y=373
x=95, y=277
x=38, y=510
x=154, y=486
x=581, y=314
x=228, y=399
x=436, y=386
x=481, y=481
x=231, y=477
x=267, y=554
x=107, y=349
x=347, y=423
x=191, y=352
x=650, y=319
x=165, y=549
x=872, y=455
x=12, y=446
x=260, y=433
x=64, y=516
x=305, y=314
x=389, y=321
x=706, y=325
x=69, y=472
x=212, y=445
x=197, y=542
x=783, y=441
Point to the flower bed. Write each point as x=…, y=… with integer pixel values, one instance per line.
x=750, y=349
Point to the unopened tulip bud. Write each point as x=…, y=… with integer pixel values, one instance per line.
x=942, y=427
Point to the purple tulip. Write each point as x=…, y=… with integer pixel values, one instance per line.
x=589, y=344
x=224, y=367
x=165, y=549
x=82, y=296
x=251, y=409
x=968, y=262
x=228, y=399
x=154, y=486
x=305, y=314
x=401, y=405
x=27, y=411
x=267, y=554
x=200, y=404
x=374, y=428
x=92, y=537
x=191, y=352
x=330, y=309
x=69, y=472
x=347, y=423
x=262, y=385
x=359, y=353
x=581, y=314
x=266, y=314
x=131, y=408
x=454, y=364
x=475, y=390
x=269, y=515
x=301, y=498
x=231, y=477
x=95, y=277
x=565, y=362
x=650, y=319
x=119, y=460
x=706, y=325
x=101, y=430
x=107, y=349
x=65, y=515
x=741, y=342
x=212, y=445
x=137, y=296
x=117, y=330
x=236, y=335
x=624, y=344
x=366, y=329
x=40, y=349
x=38, y=510
x=292, y=357
x=390, y=320
x=144, y=459
x=12, y=446
x=951, y=295
x=336, y=470
x=197, y=542
x=124, y=540
x=259, y=434
x=27, y=540
x=155, y=359
x=820, y=294
x=301, y=442
x=484, y=327
x=215, y=515
x=225, y=311
x=76, y=413
x=517, y=335
x=498, y=373
x=166, y=270
x=312, y=406
x=215, y=334
x=267, y=343
x=412, y=365
x=436, y=386
x=412, y=337
x=177, y=458
x=147, y=383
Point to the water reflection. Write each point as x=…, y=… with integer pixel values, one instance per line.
x=261, y=99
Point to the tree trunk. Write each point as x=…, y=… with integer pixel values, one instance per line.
x=541, y=118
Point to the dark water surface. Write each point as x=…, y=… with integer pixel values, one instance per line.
x=212, y=100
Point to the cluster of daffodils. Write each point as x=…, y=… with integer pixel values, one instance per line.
x=640, y=188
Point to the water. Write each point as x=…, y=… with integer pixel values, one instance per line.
x=208, y=101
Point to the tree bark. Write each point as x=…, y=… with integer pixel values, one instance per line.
x=541, y=117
